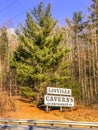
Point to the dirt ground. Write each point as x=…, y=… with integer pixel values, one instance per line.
x=26, y=110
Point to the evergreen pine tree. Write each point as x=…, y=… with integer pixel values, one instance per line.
x=40, y=53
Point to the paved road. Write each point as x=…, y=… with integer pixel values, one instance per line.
x=23, y=127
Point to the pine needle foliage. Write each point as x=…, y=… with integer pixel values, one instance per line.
x=39, y=58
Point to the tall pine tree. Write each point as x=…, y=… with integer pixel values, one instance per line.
x=40, y=56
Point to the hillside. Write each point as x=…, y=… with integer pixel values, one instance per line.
x=26, y=110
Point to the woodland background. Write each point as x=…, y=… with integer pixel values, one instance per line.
x=41, y=53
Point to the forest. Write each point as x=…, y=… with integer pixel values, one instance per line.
x=41, y=53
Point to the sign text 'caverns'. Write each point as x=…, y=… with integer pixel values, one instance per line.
x=63, y=101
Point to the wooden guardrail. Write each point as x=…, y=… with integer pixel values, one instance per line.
x=49, y=122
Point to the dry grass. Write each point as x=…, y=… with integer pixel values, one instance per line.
x=27, y=111
x=6, y=103
x=82, y=114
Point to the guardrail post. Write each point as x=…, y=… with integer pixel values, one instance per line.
x=70, y=126
x=52, y=124
x=35, y=124
x=91, y=127
x=20, y=123
x=6, y=122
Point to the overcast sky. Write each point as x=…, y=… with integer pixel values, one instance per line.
x=13, y=11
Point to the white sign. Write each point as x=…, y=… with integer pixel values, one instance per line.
x=64, y=101
x=60, y=91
